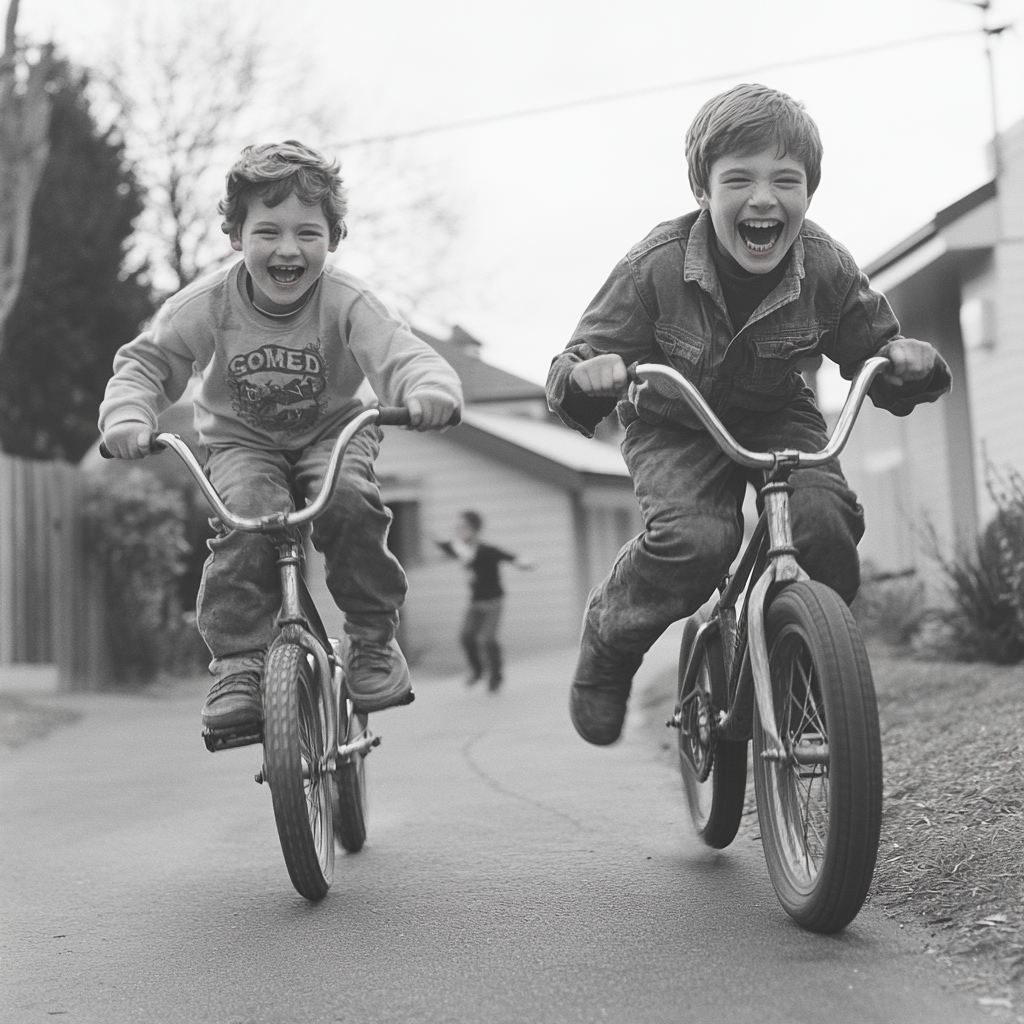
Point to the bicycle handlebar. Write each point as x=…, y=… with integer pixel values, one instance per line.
x=382, y=415
x=647, y=372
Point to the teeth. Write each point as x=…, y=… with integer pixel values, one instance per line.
x=760, y=223
x=283, y=274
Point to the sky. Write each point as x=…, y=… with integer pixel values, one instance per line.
x=549, y=203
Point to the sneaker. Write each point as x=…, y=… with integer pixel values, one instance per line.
x=377, y=675
x=600, y=689
x=235, y=702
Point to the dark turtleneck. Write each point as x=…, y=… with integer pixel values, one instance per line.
x=743, y=291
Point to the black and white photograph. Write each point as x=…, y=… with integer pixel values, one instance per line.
x=512, y=513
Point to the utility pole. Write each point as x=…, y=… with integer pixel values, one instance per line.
x=991, y=32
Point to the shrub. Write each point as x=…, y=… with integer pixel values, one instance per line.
x=136, y=533
x=889, y=607
x=985, y=621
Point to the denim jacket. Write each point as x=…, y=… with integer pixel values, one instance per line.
x=663, y=303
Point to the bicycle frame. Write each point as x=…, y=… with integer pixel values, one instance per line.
x=744, y=643
x=298, y=619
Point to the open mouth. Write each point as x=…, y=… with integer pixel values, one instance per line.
x=760, y=235
x=286, y=275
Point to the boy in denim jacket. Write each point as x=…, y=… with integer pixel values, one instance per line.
x=732, y=296
x=282, y=344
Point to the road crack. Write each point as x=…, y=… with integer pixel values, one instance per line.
x=494, y=784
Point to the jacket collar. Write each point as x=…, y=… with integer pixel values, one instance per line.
x=699, y=267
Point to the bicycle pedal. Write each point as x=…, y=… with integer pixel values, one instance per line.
x=224, y=739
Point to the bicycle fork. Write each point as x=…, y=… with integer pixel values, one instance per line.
x=295, y=627
x=782, y=568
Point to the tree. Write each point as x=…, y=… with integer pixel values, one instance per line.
x=24, y=127
x=186, y=77
x=76, y=307
x=198, y=81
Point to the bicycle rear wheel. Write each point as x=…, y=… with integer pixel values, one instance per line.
x=295, y=743
x=714, y=770
x=820, y=804
x=349, y=792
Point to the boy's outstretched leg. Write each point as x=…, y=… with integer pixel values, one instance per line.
x=690, y=496
x=600, y=688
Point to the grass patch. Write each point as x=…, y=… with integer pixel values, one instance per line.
x=952, y=850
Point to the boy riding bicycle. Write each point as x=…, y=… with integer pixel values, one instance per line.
x=733, y=296
x=282, y=344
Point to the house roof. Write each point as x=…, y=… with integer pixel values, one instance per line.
x=914, y=242
x=481, y=382
x=546, y=451
x=553, y=442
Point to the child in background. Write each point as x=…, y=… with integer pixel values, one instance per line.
x=479, y=633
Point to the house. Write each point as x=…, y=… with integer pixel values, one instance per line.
x=957, y=282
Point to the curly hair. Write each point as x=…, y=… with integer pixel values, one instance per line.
x=275, y=170
x=747, y=119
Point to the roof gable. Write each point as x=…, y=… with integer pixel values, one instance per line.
x=481, y=382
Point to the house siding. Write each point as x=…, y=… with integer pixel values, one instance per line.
x=523, y=515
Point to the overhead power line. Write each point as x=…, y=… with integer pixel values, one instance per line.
x=650, y=90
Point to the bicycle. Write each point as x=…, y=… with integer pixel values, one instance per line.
x=314, y=741
x=790, y=672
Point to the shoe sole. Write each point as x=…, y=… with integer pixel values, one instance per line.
x=399, y=694
x=234, y=722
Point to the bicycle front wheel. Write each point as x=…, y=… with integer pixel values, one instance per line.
x=819, y=800
x=350, y=792
x=295, y=746
x=714, y=770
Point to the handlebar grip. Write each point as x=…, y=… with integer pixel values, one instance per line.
x=392, y=416
x=154, y=446
x=398, y=416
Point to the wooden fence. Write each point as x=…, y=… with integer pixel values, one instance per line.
x=51, y=604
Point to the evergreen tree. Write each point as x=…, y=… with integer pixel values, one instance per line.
x=76, y=307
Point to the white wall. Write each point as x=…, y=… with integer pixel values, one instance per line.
x=522, y=515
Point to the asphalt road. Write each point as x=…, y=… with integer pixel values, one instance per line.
x=512, y=874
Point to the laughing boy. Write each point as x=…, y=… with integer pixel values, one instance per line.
x=733, y=296
x=282, y=343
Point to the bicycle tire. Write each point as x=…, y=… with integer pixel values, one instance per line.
x=294, y=743
x=820, y=822
x=349, y=794
x=716, y=804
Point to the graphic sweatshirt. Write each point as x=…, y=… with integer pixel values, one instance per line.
x=279, y=384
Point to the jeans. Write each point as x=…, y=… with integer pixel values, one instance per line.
x=691, y=498
x=480, y=630
x=241, y=590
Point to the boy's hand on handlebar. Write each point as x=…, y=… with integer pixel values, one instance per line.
x=430, y=409
x=128, y=439
x=602, y=376
x=911, y=360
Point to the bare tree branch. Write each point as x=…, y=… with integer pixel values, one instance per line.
x=199, y=81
